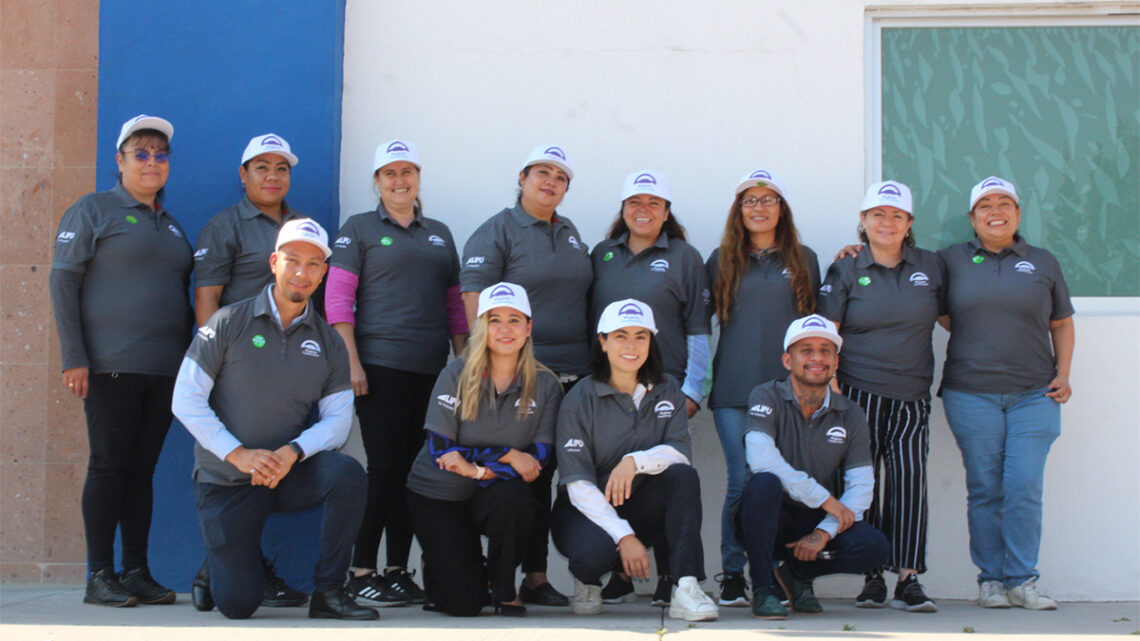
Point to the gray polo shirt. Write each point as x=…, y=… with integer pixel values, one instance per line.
x=751, y=343
x=551, y=261
x=599, y=425
x=401, y=296
x=834, y=440
x=234, y=247
x=886, y=318
x=266, y=380
x=1000, y=307
x=669, y=276
x=134, y=263
x=496, y=425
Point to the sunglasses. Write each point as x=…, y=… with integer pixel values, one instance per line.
x=143, y=155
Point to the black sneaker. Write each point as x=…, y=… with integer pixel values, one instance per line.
x=733, y=590
x=140, y=583
x=103, y=588
x=373, y=588
x=910, y=597
x=874, y=593
x=277, y=594
x=664, y=592
x=338, y=604
x=618, y=590
x=400, y=581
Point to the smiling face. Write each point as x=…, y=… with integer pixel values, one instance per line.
x=143, y=178
x=266, y=180
x=399, y=184
x=298, y=268
x=995, y=219
x=543, y=187
x=645, y=215
x=627, y=348
x=812, y=361
x=507, y=331
x=886, y=226
x=760, y=218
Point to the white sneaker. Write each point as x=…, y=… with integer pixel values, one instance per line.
x=587, y=599
x=991, y=594
x=1029, y=597
x=690, y=602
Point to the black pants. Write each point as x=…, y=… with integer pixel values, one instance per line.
x=455, y=573
x=665, y=508
x=391, y=418
x=232, y=518
x=128, y=416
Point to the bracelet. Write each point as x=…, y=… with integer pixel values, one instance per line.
x=480, y=472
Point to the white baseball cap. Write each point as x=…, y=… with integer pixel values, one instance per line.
x=992, y=185
x=504, y=295
x=761, y=178
x=395, y=151
x=143, y=121
x=653, y=183
x=889, y=193
x=268, y=144
x=626, y=313
x=305, y=230
x=552, y=155
x=814, y=326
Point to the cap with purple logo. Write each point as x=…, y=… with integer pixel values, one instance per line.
x=761, y=178
x=268, y=144
x=143, y=121
x=889, y=193
x=814, y=326
x=551, y=155
x=649, y=182
x=992, y=185
x=626, y=313
x=305, y=230
x=395, y=151
x=503, y=295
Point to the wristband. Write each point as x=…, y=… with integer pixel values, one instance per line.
x=480, y=472
x=297, y=448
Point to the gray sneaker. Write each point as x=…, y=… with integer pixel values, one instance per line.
x=587, y=599
x=991, y=594
x=1028, y=596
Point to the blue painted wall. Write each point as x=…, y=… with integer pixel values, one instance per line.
x=223, y=72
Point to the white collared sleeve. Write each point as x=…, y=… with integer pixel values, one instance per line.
x=763, y=456
x=858, y=490
x=589, y=500
x=697, y=366
x=191, y=405
x=331, y=429
x=657, y=459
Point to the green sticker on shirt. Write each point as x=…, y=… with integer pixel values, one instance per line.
x=258, y=341
x=608, y=256
x=385, y=241
x=131, y=219
x=864, y=280
x=979, y=259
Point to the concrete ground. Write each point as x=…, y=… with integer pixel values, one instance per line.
x=38, y=613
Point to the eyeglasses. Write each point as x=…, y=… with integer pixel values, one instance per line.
x=766, y=200
x=143, y=155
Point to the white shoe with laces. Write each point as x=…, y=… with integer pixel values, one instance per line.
x=991, y=594
x=689, y=602
x=587, y=599
x=1028, y=596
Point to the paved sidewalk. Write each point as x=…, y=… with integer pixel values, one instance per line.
x=41, y=613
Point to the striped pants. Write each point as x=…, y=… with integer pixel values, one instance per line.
x=900, y=442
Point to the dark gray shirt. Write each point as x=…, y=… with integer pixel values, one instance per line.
x=1000, y=307
x=886, y=318
x=669, y=276
x=599, y=425
x=401, y=295
x=834, y=440
x=234, y=247
x=496, y=425
x=551, y=261
x=131, y=312
x=752, y=340
x=266, y=380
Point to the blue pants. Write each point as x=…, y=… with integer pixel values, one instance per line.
x=731, y=425
x=1004, y=439
x=765, y=523
x=232, y=517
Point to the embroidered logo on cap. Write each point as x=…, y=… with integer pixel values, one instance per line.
x=993, y=182
x=309, y=228
x=814, y=321
x=761, y=174
x=271, y=141
x=397, y=147
x=645, y=179
x=631, y=312
x=502, y=291
x=556, y=152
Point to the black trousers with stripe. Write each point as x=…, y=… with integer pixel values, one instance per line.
x=900, y=443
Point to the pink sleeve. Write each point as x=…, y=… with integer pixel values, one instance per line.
x=340, y=296
x=456, y=313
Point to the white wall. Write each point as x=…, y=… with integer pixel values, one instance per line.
x=706, y=92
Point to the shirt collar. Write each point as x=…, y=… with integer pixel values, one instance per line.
x=525, y=220
x=662, y=241
x=604, y=389
x=130, y=201
x=1020, y=247
x=784, y=388
x=418, y=216
x=266, y=306
x=249, y=211
x=864, y=259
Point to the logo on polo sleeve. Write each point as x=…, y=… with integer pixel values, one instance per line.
x=311, y=347
x=342, y=242
x=65, y=237
x=201, y=253
x=659, y=265
x=919, y=279
x=385, y=241
x=836, y=434
x=574, y=445
x=447, y=402
x=760, y=409
x=531, y=408
x=258, y=340
x=437, y=241
x=664, y=409
x=474, y=261
x=206, y=334
x=1025, y=267
x=174, y=230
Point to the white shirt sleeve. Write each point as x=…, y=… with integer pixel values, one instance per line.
x=331, y=429
x=697, y=366
x=191, y=405
x=590, y=501
x=858, y=490
x=657, y=459
x=763, y=456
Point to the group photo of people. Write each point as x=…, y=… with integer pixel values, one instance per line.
x=527, y=386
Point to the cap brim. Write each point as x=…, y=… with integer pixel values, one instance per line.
x=557, y=163
x=995, y=190
x=293, y=160
x=816, y=333
x=517, y=308
x=321, y=246
x=150, y=122
x=748, y=184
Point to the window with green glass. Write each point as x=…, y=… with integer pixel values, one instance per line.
x=1055, y=110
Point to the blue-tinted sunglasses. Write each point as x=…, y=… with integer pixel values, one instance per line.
x=143, y=155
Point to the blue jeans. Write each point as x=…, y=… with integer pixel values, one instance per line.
x=731, y=423
x=1004, y=439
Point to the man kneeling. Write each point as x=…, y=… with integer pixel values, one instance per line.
x=802, y=443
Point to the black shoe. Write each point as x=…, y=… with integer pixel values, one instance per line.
x=733, y=590
x=800, y=591
x=372, y=587
x=544, y=594
x=140, y=583
x=910, y=597
x=337, y=604
x=277, y=593
x=400, y=581
x=618, y=590
x=509, y=610
x=664, y=592
x=103, y=588
x=874, y=593
x=200, y=590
